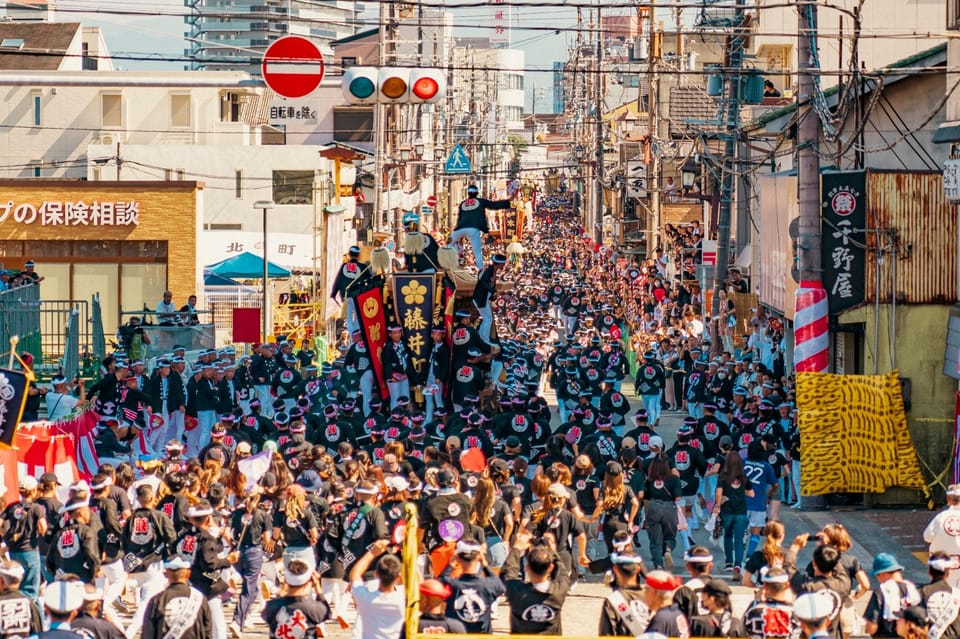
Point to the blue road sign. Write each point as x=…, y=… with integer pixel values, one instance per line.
x=459, y=161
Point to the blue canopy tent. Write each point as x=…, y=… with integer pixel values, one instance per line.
x=246, y=266
x=212, y=279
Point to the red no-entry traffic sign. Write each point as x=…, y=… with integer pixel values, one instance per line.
x=431, y=200
x=292, y=66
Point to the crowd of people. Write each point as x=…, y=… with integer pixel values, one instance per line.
x=284, y=486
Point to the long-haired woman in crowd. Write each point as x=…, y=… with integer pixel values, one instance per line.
x=733, y=488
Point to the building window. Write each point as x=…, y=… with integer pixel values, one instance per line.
x=238, y=184
x=293, y=187
x=229, y=106
x=111, y=111
x=953, y=14
x=35, y=168
x=352, y=124
x=180, y=112
x=348, y=61
x=168, y=174
x=222, y=227
x=180, y=174
x=37, y=103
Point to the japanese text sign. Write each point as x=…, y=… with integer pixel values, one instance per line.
x=78, y=213
x=843, y=225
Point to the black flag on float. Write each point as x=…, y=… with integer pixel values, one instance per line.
x=13, y=398
x=413, y=300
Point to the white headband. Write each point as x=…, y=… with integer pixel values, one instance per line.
x=942, y=564
x=775, y=579
x=697, y=559
x=619, y=559
x=953, y=491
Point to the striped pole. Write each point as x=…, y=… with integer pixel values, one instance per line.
x=811, y=329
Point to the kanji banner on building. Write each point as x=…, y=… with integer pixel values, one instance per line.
x=373, y=324
x=843, y=228
x=414, y=299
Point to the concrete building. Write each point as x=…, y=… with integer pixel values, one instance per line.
x=231, y=35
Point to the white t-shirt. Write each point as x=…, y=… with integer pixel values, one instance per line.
x=381, y=612
x=59, y=405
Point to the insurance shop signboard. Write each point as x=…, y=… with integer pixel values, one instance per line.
x=843, y=227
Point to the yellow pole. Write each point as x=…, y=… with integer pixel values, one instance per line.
x=411, y=576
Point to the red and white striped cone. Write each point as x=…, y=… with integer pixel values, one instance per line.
x=811, y=322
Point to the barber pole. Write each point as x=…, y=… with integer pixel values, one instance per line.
x=811, y=329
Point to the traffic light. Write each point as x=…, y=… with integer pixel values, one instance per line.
x=426, y=85
x=359, y=85
x=394, y=85
x=369, y=85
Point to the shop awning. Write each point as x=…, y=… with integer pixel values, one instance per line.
x=246, y=266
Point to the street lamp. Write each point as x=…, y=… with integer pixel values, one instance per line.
x=578, y=152
x=418, y=147
x=689, y=173
x=265, y=206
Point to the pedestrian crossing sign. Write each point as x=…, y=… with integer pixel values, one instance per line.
x=459, y=161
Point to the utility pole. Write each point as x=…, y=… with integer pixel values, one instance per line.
x=596, y=230
x=653, y=105
x=811, y=339
x=808, y=167
x=735, y=45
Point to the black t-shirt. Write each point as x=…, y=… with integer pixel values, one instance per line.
x=584, y=486
x=295, y=532
x=438, y=624
x=616, y=518
x=496, y=526
x=284, y=615
x=251, y=525
x=660, y=490
x=95, y=628
x=562, y=523
x=734, y=498
x=669, y=621
x=20, y=525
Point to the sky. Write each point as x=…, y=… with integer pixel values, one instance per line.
x=161, y=36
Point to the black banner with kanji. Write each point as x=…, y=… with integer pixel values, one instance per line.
x=13, y=398
x=413, y=301
x=843, y=226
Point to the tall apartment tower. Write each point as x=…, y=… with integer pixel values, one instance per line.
x=230, y=35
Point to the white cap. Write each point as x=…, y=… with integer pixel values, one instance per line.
x=12, y=570
x=64, y=596
x=396, y=482
x=656, y=441
x=176, y=562
x=464, y=547
x=203, y=511
x=813, y=606
x=80, y=486
x=105, y=483
x=28, y=482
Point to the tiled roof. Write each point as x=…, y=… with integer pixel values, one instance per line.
x=44, y=45
x=691, y=103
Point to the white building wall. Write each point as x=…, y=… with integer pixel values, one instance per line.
x=72, y=116
x=880, y=18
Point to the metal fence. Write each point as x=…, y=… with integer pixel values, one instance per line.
x=20, y=316
x=58, y=333
x=221, y=300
